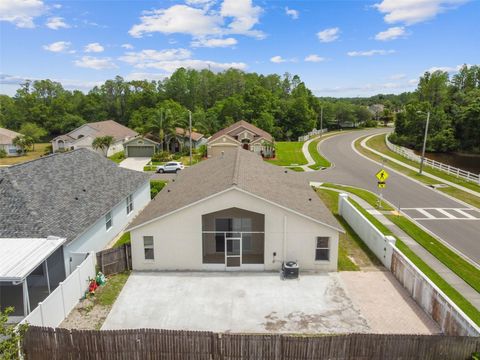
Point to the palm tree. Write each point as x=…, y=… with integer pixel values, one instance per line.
x=162, y=125
x=103, y=143
x=23, y=143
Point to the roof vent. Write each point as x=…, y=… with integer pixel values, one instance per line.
x=223, y=153
x=168, y=190
x=286, y=171
x=76, y=197
x=309, y=199
x=84, y=190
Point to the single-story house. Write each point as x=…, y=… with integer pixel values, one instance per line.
x=6, y=141
x=241, y=134
x=30, y=269
x=78, y=195
x=182, y=138
x=83, y=136
x=140, y=147
x=235, y=212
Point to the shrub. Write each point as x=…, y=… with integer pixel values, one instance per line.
x=156, y=186
x=3, y=153
x=10, y=336
x=161, y=156
x=202, y=151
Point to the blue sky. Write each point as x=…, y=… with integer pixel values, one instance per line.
x=339, y=48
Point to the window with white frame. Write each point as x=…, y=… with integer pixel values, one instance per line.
x=148, y=247
x=129, y=204
x=322, y=249
x=108, y=220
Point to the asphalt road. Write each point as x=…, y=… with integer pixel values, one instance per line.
x=459, y=228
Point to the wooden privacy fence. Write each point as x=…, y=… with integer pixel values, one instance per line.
x=51, y=344
x=115, y=260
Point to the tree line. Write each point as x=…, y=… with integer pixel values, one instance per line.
x=454, y=106
x=281, y=105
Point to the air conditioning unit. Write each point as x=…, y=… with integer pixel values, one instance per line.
x=290, y=270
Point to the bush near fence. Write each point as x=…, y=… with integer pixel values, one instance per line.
x=115, y=260
x=51, y=344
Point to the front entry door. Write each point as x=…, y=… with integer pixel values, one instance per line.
x=233, y=251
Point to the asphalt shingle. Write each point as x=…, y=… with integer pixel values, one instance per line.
x=62, y=194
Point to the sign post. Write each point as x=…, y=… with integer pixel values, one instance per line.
x=382, y=177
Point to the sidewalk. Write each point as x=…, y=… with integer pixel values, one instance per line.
x=448, y=275
x=307, y=155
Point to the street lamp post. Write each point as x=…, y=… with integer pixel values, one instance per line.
x=190, y=130
x=424, y=143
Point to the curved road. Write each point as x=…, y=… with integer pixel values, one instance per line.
x=454, y=222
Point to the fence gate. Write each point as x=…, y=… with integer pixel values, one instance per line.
x=115, y=260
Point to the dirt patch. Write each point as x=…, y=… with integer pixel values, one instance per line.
x=86, y=316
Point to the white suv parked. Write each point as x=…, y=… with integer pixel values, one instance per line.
x=171, y=166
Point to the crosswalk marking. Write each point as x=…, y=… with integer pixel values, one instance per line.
x=445, y=213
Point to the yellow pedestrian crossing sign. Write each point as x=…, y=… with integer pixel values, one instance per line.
x=382, y=175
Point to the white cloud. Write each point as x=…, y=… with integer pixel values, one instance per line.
x=171, y=59
x=449, y=69
x=329, y=35
x=127, y=46
x=234, y=17
x=366, y=89
x=294, y=14
x=56, y=23
x=370, y=52
x=391, y=33
x=144, y=76
x=93, y=48
x=59, y=46
x=314, y=58
x=245, y=17
x=211, y=43
x=66, y=83
x=202, y=3
x=91, y=62
x=277, y=59
x=21, y=13
x=414, y=11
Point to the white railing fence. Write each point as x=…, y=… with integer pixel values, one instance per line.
x=312, y=133
x=409, y=154
x=56, y=307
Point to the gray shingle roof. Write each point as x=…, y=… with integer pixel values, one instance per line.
x=62, y=194
x=245, y=170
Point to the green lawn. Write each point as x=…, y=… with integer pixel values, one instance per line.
x=40, y=150
x=156, y=186
x=107, y=294
x=320, y=161
x=288, y=153
x=350, y=246
x=118, y=157
x=296, y=168
x=382, y=228
x=366, y=195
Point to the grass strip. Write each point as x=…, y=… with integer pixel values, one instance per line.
x=470, y=310
x=107, y=294
x=366, y=195
x=320, y=161
x=117, y=157
x=124, y=239
x=469, y=273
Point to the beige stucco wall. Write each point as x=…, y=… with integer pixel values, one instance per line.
x=178, y=237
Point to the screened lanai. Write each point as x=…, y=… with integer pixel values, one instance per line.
x=233, y=237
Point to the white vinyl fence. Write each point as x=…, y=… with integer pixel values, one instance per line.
x=312, y=133
x=380, y=244
x=409, y=154
x=56, y=307
x=449, y=317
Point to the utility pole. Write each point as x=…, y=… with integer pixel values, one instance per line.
x=190, y=130
x=321, y=121
x=424, y=143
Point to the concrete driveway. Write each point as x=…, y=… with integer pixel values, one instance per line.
x=257, y=303
x=134, y=163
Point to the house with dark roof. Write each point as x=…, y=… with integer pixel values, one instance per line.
x=6, y=141
x=78, y=195
x=235, y=212
x=241, y=134
x=83, y=136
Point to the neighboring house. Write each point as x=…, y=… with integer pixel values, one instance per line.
x=140, y=147
x=83, y=136
x=182, y=138
x=241, y=134
x=30, y=269
x=235, y=212
x=6, y=141
x=78, y=195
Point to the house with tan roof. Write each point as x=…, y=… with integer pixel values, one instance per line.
x=241, y=134
x=235, y=212
x=6, y=141
x=83, y=136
